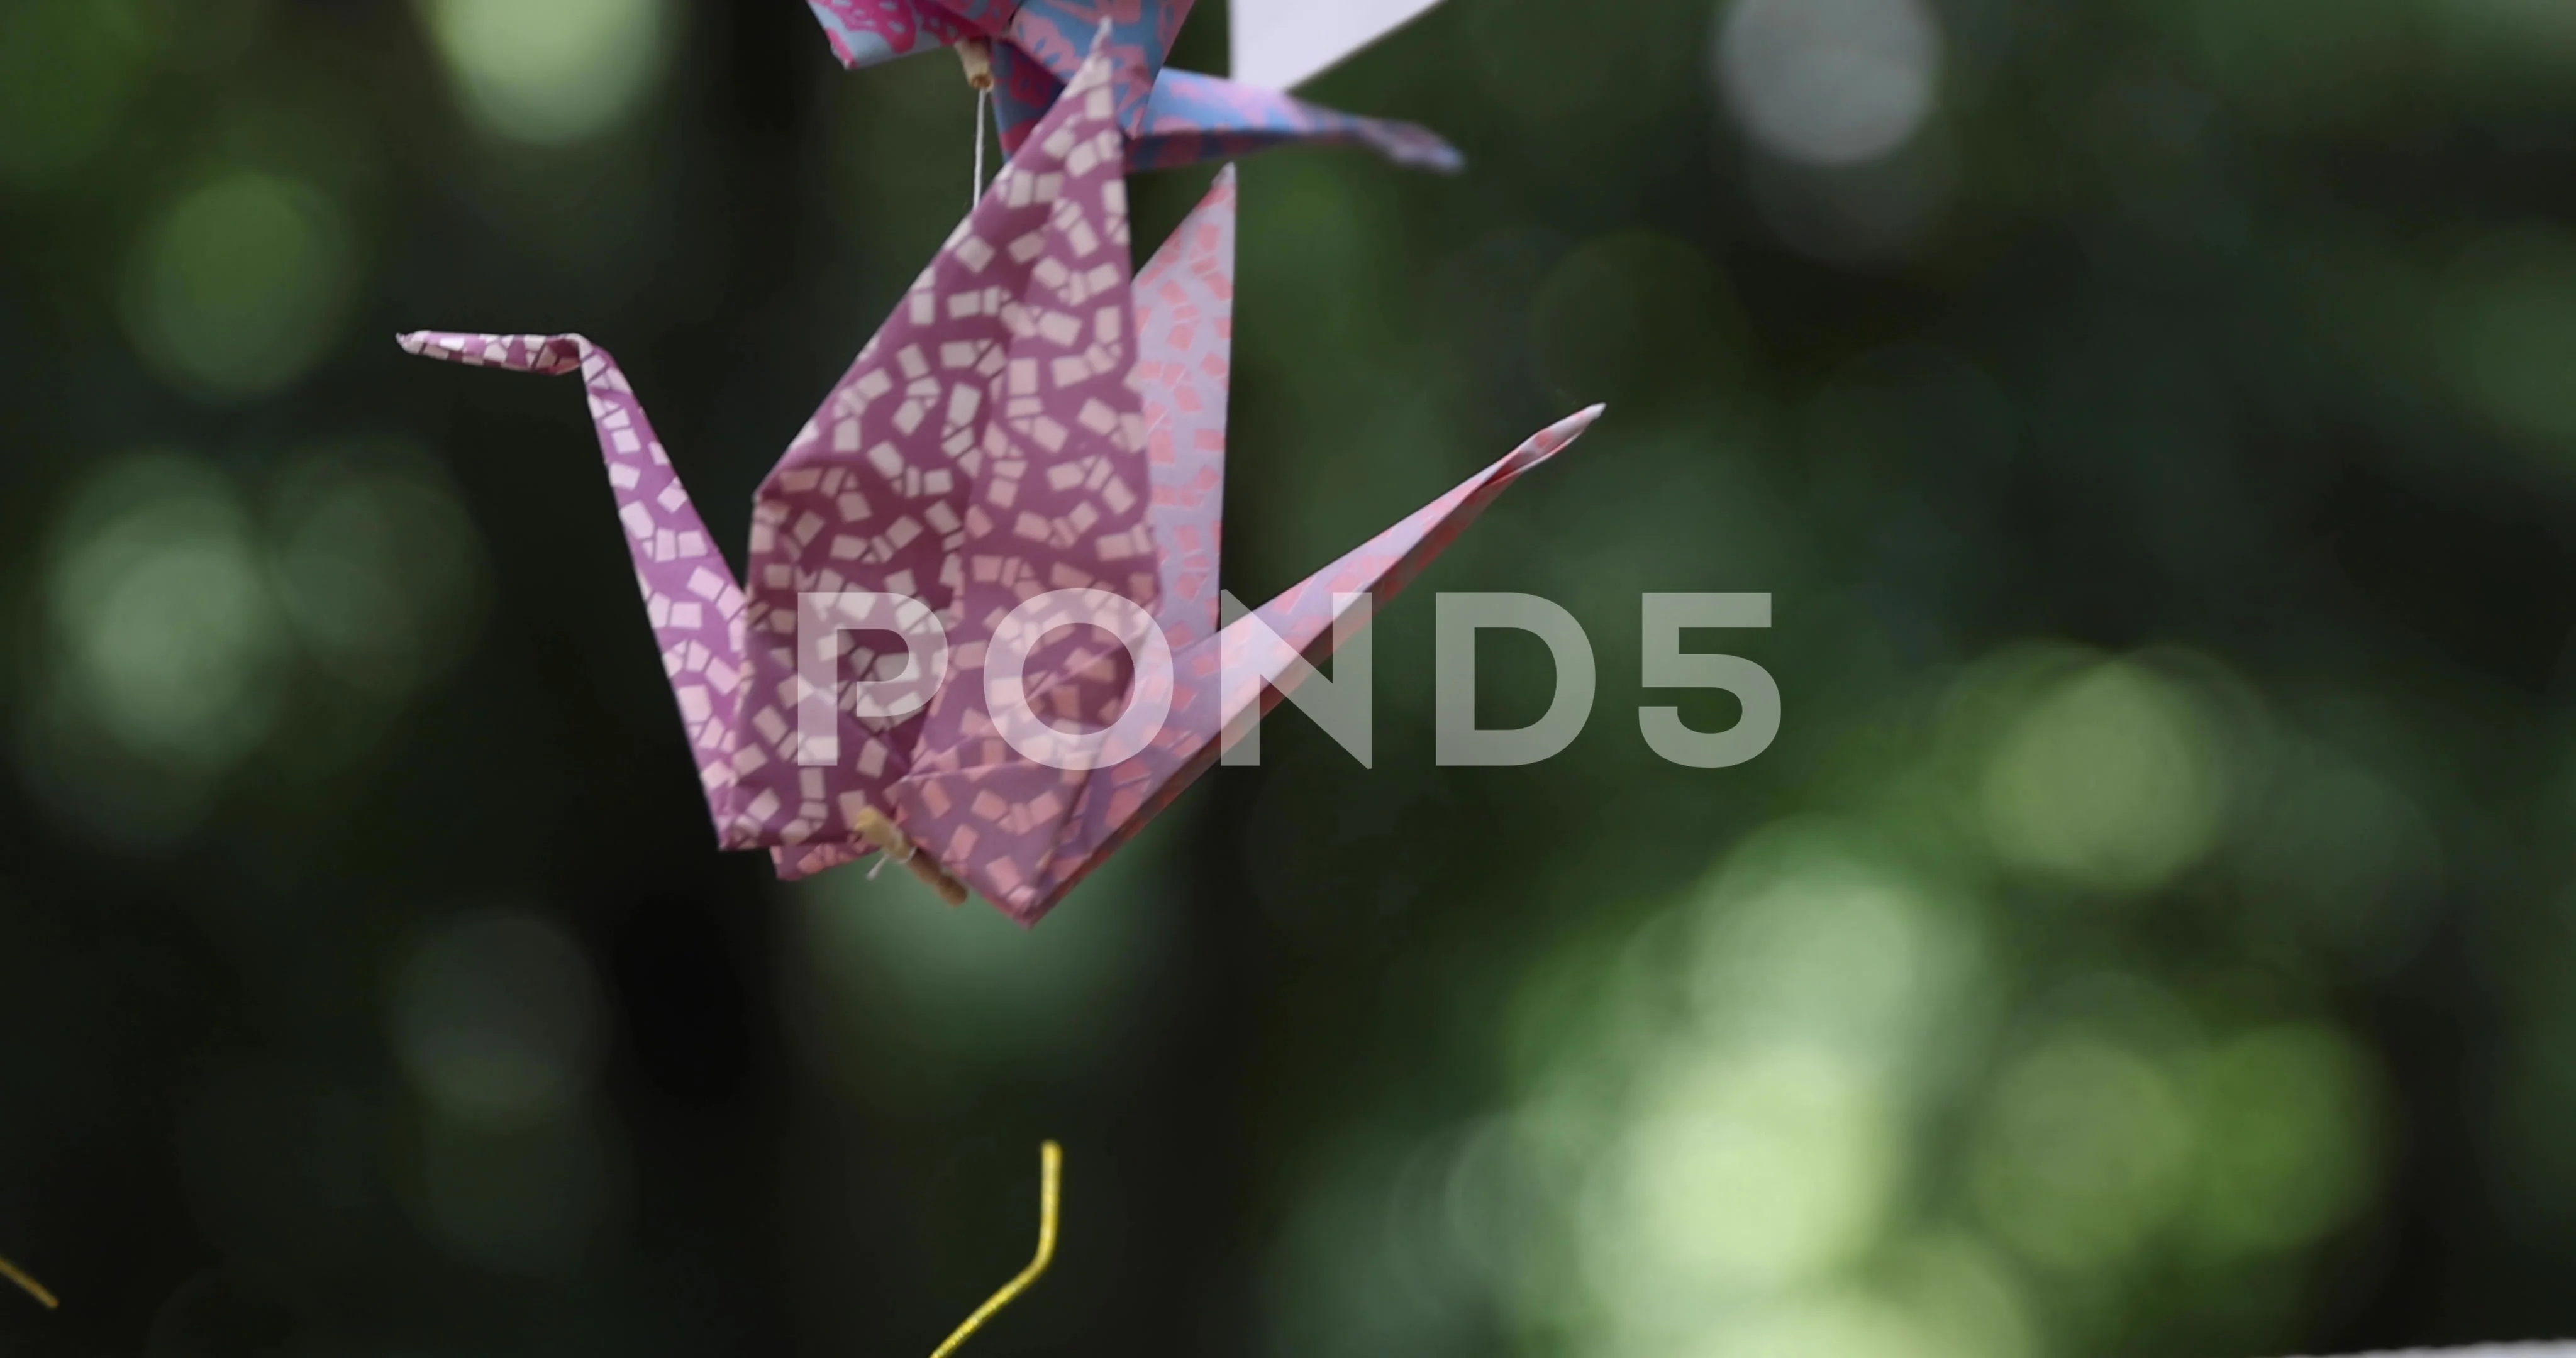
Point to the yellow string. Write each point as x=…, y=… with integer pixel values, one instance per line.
x=1050, y=1171
x=34, y=1289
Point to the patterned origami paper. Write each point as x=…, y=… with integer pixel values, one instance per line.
x=1029, y=420
x=1173, y=117
x=1281, y=44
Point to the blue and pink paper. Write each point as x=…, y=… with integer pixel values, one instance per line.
x=1172, y=118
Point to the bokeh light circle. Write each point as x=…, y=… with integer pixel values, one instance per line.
x=496, y=1017
x=1754, y=1170
x=1829, y=82
x=2113, y=777
x=378, y=565
x=239, y=288
x=66, y=74
x=161, y=617
x=555, y=73
x=2083, y=1155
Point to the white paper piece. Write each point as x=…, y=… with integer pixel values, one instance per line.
x=1279, y=44
x=2565, y=1350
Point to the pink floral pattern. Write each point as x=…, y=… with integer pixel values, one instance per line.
x=865, y=32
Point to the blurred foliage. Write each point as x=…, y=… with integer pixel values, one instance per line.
x=2152, y=933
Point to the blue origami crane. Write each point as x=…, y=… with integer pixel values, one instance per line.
x=1171, y=117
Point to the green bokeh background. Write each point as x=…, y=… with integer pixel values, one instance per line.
x=2151, y=934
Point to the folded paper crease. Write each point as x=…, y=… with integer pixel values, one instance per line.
x=1031, y=419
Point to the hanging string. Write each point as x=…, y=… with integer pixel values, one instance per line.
x=37, y=1290
x=889, y=839
x=976, y=56
x=1050, y=1171
x=983, y=100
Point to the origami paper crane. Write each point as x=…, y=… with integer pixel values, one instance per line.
x=1174, y=117
x=1281, y=44
x=1030, y=420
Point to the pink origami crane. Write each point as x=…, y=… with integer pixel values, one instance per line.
x=1173, y=117
x=1027, y=422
